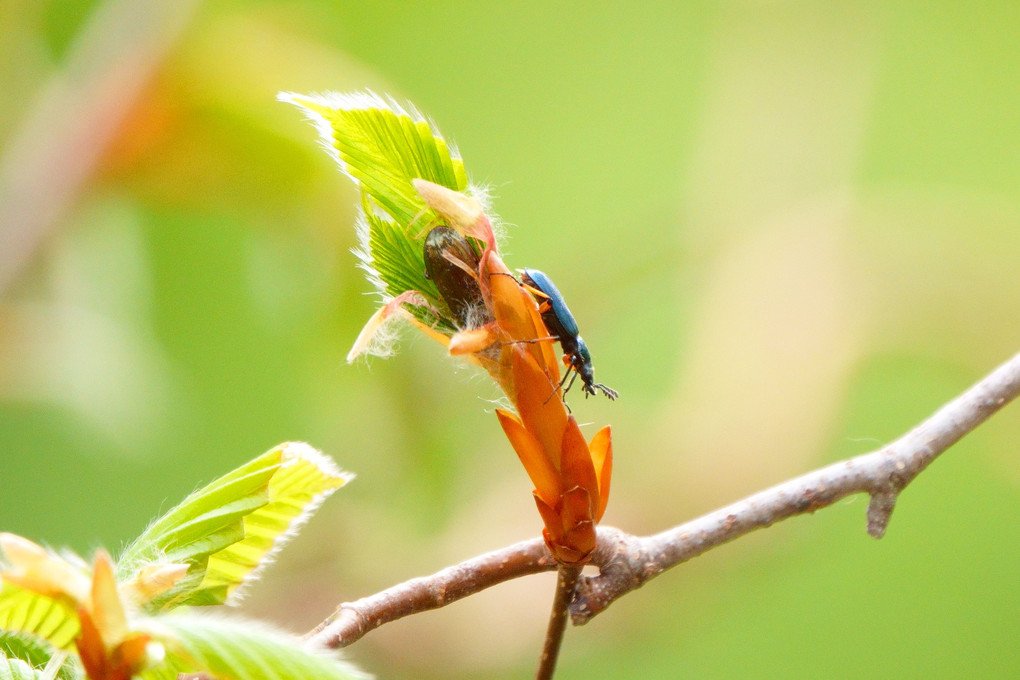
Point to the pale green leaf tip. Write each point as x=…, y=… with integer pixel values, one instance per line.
x=328, y=478
x=324, y=102
x=332, y=475
x=315, y=105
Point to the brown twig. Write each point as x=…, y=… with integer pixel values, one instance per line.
x=352, y=620
x=627, y=562
x=566, y=584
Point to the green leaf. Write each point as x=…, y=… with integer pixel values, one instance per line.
x=383, y=146
x=16, y=669
x=50, y=619
x=234, y=649
x=398, y=261
x=170, y=669
x=36, y=653
x=226, y=530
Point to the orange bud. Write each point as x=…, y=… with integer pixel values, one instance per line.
x=601, y=448
x=536, y=463
x=577, y=469
x=571, y=477
x=541, y=412
x=105, y=606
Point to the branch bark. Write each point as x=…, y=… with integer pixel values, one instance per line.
x=566, y=584
x=352, y=620
x=627, y=562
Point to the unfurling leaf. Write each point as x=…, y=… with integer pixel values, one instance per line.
x=411, y=180
x=226, y=530
x=382, y=146
x=51, y=619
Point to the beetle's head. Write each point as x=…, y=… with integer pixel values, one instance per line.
x=581, y=361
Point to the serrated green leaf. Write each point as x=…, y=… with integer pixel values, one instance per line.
x=226, y=530
x=45, y=617
x=18, y=645
x=35, y=652
x=241, y=650
x=398, y=260
x=212, y=531
x=383, y=146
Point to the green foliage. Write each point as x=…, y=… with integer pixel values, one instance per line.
x=383, y=146
x=224, y=531
x=16, y=669
x=241, y=650
x=678, y=141
x=48, y=618
x=400, y=257
x=28, y=649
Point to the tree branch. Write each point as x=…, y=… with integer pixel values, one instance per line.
x=566, y=584
x=352, y=620
x=627, y=562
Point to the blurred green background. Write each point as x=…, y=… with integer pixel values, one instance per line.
x=789, y=231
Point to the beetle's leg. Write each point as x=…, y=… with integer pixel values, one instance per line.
x=560, y=387
x=539, y=295
x=572, y=375
x=548, y=338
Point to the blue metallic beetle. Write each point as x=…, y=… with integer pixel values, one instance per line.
x=563, y=327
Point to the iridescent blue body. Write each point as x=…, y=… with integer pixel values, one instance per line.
x=563, y=327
